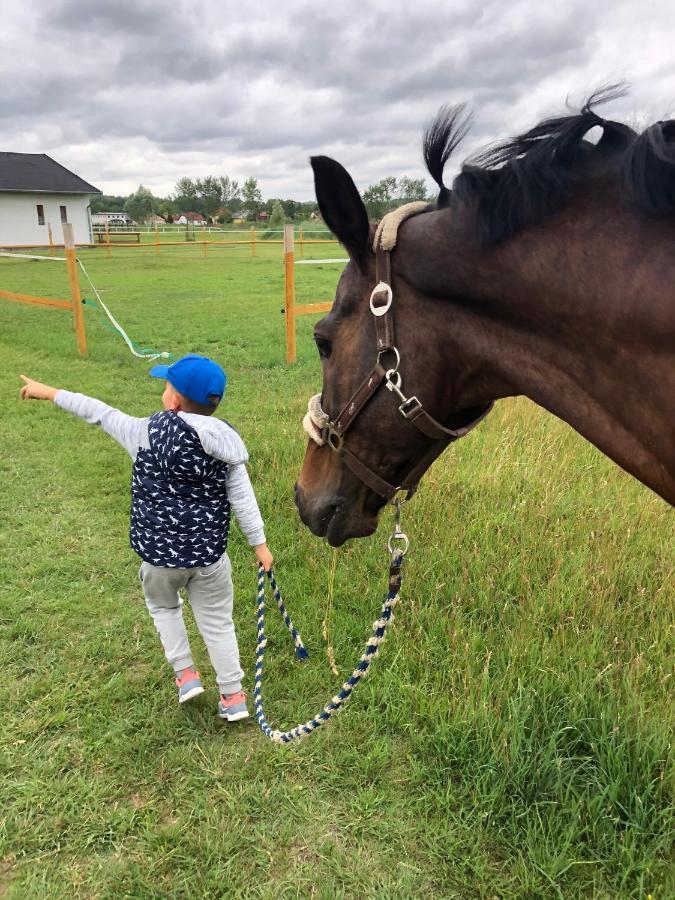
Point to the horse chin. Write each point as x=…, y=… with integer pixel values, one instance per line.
x=335, y=521
x=341, y=528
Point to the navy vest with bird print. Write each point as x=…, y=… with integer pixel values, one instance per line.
x=180, y=514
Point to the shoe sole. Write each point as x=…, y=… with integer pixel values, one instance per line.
x=193, y=692
x=234, y=717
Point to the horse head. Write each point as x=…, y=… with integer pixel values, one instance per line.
x=387, y=407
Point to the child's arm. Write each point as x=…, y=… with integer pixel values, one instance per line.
x=126, y=430
x=245, y=507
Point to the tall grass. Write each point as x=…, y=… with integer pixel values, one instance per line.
x=514, y=738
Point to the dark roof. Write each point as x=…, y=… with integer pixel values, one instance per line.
x=39, y=172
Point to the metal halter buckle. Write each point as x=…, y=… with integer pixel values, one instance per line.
x=381, y=287
x=410, y=407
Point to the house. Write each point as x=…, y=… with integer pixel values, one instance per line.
x=184, y=218
x=36, y=192
x=263, y=216
x=110, y=218
x=154, y=220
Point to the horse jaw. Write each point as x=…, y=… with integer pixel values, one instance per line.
x=333, y=504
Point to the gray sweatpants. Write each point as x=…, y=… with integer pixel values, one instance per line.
x=210, y=591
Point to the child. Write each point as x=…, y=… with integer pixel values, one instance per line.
x=189, y=470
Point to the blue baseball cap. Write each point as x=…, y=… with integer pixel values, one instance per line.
x=196, y=377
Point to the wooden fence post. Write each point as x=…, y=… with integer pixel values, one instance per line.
x=156, y=240
x=289, y=281
x=76, y=298
x=51, y=238
x=107, y=237
x=301, y=241
x=252, y=240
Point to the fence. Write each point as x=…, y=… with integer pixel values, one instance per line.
x=117, y=237
x=291, y=308
x=75, y=302
x=110, y=245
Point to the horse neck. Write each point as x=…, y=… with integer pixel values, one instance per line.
x=572, y=316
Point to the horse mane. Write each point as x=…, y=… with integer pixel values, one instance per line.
x=522, y=180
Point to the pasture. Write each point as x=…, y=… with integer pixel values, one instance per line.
x=512, y=740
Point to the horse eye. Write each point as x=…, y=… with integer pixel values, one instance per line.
x=323, y=346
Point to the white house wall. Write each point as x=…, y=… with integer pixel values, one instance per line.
x=19, y=218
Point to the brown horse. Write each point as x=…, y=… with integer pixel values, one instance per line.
x=548, y=271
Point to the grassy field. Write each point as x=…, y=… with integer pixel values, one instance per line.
x=514, y=737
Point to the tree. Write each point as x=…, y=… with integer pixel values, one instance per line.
x=379, y=198
x=251, y=197
x=166, y=208
x=107, y=203
x=410, y=189
x=185, y=187
x=209, y=195
x=290, y=208
x=389, y=193
x=277, y=218
x=141, y=204
x=229, y=191
x=304, y=210
x=185, y=195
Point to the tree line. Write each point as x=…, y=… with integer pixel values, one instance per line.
x=220, y=199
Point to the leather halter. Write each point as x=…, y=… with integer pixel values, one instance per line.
x=410, y=408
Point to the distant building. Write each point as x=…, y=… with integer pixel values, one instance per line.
x=110, y=218
x=195, y=218
x=154, y=220
x=36, y=192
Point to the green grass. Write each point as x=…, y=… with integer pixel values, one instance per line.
x=513, y=739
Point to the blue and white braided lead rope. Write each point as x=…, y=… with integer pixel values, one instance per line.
x=300, y=650
x=344, y=695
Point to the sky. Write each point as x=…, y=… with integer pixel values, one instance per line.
x=129, y=92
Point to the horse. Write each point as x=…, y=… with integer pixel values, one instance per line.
x=547, y=270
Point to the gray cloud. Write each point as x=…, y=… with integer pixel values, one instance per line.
x=141, y=90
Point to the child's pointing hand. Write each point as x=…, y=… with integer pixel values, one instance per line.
x=35, y=390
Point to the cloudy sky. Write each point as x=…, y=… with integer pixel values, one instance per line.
x=125, y=92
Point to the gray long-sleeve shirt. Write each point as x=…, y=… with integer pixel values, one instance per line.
x=216, y=437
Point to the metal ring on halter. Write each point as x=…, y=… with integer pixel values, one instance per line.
x=334, y=439
x=397, y=355
x=381, y=287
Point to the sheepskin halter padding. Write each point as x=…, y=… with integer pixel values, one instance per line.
x=315, y=420
x=386, y=234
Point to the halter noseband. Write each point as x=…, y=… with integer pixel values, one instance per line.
x=322, y=430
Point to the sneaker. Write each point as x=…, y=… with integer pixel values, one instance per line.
x=189, y=685
x=233, y=707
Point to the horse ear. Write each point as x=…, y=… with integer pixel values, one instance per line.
x=342, y=208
